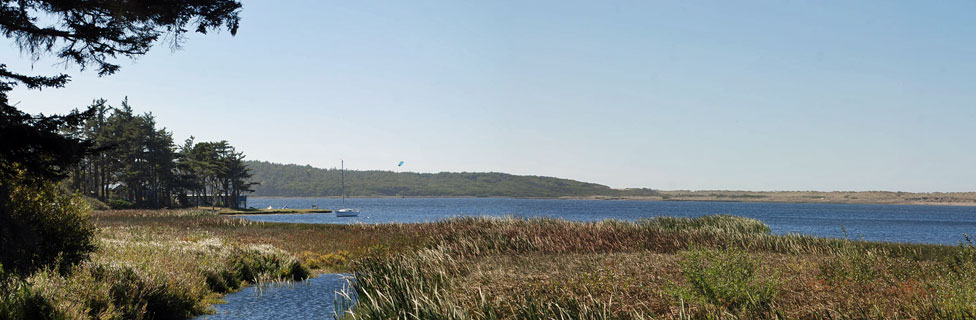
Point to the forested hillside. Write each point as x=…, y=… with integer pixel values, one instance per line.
x=296, y=180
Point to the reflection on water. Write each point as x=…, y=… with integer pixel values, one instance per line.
x=312, y=299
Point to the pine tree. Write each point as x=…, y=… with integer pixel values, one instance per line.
x=34, y=150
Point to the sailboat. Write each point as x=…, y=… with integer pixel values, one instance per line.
x=345, y=212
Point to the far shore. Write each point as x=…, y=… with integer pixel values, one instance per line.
x=829, y=197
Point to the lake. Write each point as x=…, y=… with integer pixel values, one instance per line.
x=891, y=223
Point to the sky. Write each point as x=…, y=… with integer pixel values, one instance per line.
x=741, y=95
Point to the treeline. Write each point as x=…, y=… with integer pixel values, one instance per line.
x=139, y=165
x=297, y=181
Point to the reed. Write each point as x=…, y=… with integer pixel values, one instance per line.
x=715, y=267
x=142, y=273
x=176, y=263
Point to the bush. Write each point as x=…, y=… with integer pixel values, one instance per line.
x=333, y=260
x=727, y=278
x=120, y=204
x=95, y=204
x=19, y=301
x=40, y=226
x=135, y=296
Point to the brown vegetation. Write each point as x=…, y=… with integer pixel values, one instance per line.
x=711, y=267
x=482, y=268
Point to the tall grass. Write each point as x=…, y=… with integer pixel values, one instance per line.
x=18, y=300
x=138, y=273
x=736, y=269
x=419, y=286
x=172, y=264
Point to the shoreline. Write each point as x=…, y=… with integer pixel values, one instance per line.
x=652, y=199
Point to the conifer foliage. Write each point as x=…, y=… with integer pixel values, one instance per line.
x=35, y=151
x=138, y=164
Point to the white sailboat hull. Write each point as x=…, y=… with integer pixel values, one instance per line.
x=347, y=212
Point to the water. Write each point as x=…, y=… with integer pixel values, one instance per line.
x=891, y=223
x=312, y=299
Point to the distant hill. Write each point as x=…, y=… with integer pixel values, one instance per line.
x=306, y=181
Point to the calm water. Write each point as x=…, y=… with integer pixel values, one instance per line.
x=312, y=299
x=893, y=223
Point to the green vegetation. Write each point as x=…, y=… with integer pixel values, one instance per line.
x=52, y=265
x=44, y=229
x=139, y=166
x=145, y=272
x=290, y=180
x=295, y=180
x=727, y=278
x=37, y=222
x=138, y=275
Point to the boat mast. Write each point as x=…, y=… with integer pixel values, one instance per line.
x=342, y=177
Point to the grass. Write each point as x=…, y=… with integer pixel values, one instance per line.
x=716, y=267
x=139, y=274
x=174, y=264
x=148, y=271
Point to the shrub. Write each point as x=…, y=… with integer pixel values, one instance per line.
x=120, y=204
x=19, y=301
x=727, y=278
x=332, y=260
x=41, y=226
x=95, y=204
x=138, y=296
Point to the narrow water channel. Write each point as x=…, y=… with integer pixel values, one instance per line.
x=312, y=299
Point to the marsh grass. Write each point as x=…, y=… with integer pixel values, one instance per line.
x=175, y=281
x=493, y=268
x=176, y=263
x=147, y=272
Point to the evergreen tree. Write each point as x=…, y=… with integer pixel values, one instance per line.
x=34, y=150
x=144, y=167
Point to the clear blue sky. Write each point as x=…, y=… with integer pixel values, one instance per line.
x=773, y=95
